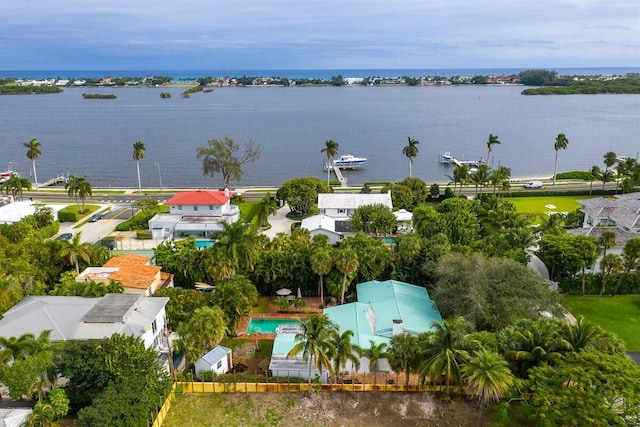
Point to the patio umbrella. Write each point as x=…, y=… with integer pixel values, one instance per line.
x=550, y=206
x=299, y=293
x=284, y=292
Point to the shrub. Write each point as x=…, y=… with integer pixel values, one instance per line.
x=144, y=235
x=67, y=216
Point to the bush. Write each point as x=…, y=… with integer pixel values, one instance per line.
x=582, y=175
x=67, y=216
x=51, y=229
x=144, y=235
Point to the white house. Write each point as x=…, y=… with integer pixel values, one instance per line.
x=334, y=229
x=343, y=205
x=194, y=213
x=81, y=318
x=218, y=361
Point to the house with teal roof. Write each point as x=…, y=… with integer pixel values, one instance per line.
x=384, y=309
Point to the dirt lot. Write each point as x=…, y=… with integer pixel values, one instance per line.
x=326, y=409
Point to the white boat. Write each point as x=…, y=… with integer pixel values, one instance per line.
x=4, y=176
x=349, y=162
x=446, y=157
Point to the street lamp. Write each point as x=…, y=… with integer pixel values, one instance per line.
x=159, y=175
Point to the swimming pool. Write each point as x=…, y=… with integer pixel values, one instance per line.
x=389, y=240
x=268, y=326
x=202, y=243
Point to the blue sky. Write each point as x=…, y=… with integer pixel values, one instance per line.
x=309, y=34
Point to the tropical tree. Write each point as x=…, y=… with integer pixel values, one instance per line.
x=606, y=240
x=487, y=379
x=373, y=219
x=561, y=143
x=237, y=245
x=346, y=261
x=445, y=349
x=480, y=178
x=138, y=154
x=460, y=176
x=343, y=352
x=493, y=140
x=411, y=151
x=83, y=189
x=267, y=206
x=374, y=353
x=223, y=156
x=584, y=335
x=204, y=330
x=315, y=342
x=500, y=179
x=235, y=297
x=16, y=186
x=610, y=159
x=631, y=261
x=594, y=173
x=402, y=354
x=321, y=260
x=330, y=150
x=33, y=152
x=587, y=250
x=74, y=251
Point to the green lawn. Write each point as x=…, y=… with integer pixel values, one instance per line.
x=619, y=314
x=539, y=206
x=262, y=306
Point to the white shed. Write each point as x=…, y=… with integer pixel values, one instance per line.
x=218, y=361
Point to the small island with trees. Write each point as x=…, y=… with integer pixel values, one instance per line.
x=99, y=96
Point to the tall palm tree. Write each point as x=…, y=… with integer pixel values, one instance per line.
x=403, y=354
x=138, y=154
x=374, y=353
x=267, y=206
x=83, y=189
x=610, y=159
x=500, y=178
x=480, y=178
x=315, y=342
x=606, y=176
x=72, y=187
x=594, y=174
x=33, y=152
x=346, y=261
x=411, y=151
x=331, y=150
x=445, y=349
x=321, y=260
x=237, y=245
x=343, y=352
x=561, y=143
x=493, y=140
x=631, y=261
x=460, y=176
x=488, y=378
x=74, y=251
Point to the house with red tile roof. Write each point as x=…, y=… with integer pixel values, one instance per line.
x=194, y=213
x=134, y=271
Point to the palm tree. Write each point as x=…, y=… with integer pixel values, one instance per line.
x=321, y=261
x=610, y=159
x=138, y=154
x=500, y=178
x=411, y=151
x=204, y=330
x=74, y=250
x=493, y=140
x=346, y=261
x=83, y=189
x=488, y=378
x=33, y=152
x=584, y=335
x=266, y=207
x=595, y=174
x=343, y=352
x=16, y=186
x=403, y=354
x=315, y=342
x=331, y=150
x=561, y=144
x=374, y=353
x=480, y=177
x=237, y=245
x=606, y=176
x=631, y=261
x=460, y=176
x=606, y=240
x=445, y=349
x=14, y=348
x=72, y=187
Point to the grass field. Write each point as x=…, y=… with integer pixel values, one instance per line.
x=619, y=314
x=539, y=206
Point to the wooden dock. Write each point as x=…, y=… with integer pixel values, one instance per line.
x=342, y=179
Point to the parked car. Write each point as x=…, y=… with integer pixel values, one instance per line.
x=96, y=217
x=65, y=236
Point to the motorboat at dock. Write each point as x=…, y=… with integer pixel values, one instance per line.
x=346, y=161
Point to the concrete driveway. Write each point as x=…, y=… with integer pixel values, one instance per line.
x=279, y=223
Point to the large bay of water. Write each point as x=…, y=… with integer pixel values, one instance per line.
x=94, y=138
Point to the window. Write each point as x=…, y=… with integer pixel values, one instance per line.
x=179, y=207
x=219, y=365
x=195, y=207
x=342, y=211
x=210, y=207
x=154, y=326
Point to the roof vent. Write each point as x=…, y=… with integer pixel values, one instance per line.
x=397, y=327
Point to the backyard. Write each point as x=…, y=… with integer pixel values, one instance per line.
x=619, y=314
x=541, y=206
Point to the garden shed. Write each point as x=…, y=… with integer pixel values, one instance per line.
x=218, y=361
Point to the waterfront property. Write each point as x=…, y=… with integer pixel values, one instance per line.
x=134, y=271
x=194, y=213
x=283, y=366
x=343, y=205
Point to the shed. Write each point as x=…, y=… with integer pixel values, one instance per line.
x=218, y=360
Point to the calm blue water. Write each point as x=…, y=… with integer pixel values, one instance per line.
x=94, y=138
x=268, y=326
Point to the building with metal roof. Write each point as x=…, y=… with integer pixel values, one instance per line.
x=82, y=318
x=218, y=360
